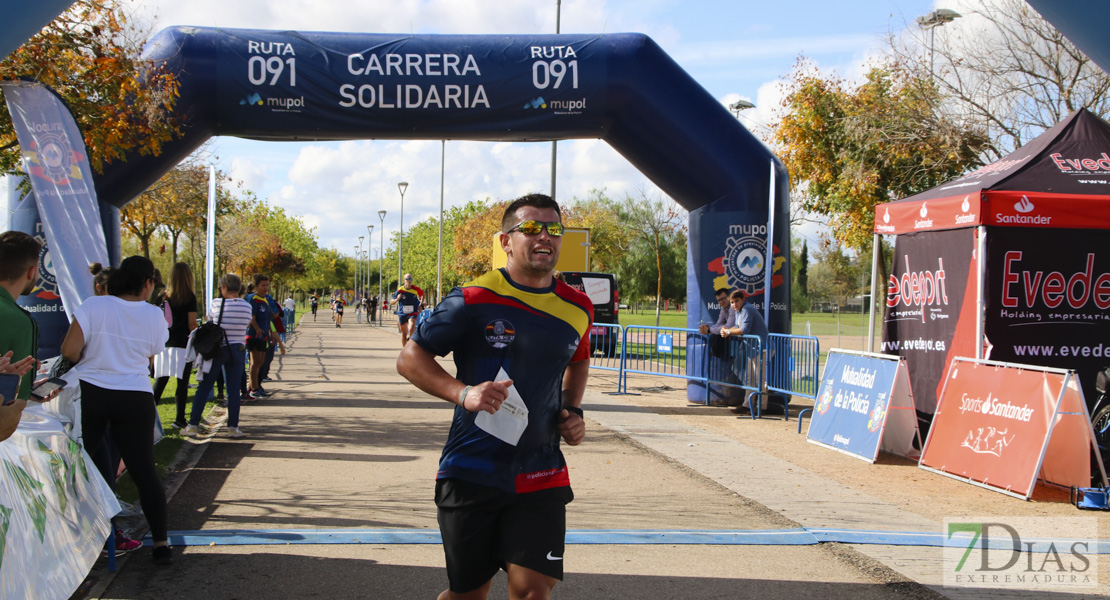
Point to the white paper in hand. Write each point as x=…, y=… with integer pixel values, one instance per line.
x=509, y=422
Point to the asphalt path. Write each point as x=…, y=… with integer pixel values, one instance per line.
x=345, y=443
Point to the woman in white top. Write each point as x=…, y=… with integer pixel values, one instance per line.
x=236, y=318
x=112, y=341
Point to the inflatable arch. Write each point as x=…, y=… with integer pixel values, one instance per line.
x=621, y=88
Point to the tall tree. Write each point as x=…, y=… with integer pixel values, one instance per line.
x=89, y=55
x=1004, y=68
x=474, y=250
x=608, y=234
x=655, y=223
x=851, y=147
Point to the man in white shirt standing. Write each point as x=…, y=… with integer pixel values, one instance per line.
x=290, y=310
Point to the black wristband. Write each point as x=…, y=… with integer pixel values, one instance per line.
x=575, y=410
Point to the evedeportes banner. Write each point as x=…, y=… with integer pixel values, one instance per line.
x=1048, y=299
x=927, y=318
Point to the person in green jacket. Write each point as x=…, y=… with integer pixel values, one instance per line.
x=19, y=333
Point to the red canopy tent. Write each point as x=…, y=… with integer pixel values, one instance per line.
x=1040, y=294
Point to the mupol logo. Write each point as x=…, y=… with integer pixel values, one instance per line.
x=750, y=262
x=535, y=103
x=253, y=99
x=1024, y=205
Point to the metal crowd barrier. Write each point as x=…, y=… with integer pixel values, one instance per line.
x=607, y=340
x=795, y=369
x=662, y=351
x=788, y=366
x=793, y=363
x=742, y=369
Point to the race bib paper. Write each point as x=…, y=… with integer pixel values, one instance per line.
x=509, y=422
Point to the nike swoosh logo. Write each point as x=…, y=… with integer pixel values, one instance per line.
x=550, y=557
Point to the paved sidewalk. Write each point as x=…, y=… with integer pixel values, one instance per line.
x=347, y=443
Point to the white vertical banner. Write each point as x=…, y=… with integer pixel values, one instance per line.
x=769, y=259
x=57, y=165
x=210, y=243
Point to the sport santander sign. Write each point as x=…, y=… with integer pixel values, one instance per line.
x=1003, y=425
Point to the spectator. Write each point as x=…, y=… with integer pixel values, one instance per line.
x=277, y=327
x=10, y=415
x=259, y=336
x=234, y=316
x=107, y=456
x=721, y=395
x=179, y=302
x=100, y=275
x=290, y=315
x=748, y=321
x=112, y=340
x=372, y=307
x=19, y=337
x=723, y=317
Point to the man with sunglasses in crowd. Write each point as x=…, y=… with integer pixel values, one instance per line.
x=410, y=301
x=521, y=348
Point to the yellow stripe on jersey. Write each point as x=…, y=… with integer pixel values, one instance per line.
x=548, y=303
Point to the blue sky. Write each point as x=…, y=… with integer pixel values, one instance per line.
x=736, y=49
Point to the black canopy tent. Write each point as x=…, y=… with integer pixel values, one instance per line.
x=1008, y=262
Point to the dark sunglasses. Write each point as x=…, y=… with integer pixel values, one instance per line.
x=554, y=228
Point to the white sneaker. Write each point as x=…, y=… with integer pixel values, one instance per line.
x=190, y=431
x=235, y=432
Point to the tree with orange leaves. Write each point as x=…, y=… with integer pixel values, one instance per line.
x=89, y=55
x=849, y=147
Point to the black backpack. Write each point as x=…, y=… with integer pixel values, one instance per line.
x=210, y=337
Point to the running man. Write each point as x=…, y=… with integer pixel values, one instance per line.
x=521, y=349
x=410, y=301
x=337, y=305
x=314, y=302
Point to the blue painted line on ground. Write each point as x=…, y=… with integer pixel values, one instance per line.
x=762, y=537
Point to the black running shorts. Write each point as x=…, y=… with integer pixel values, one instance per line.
x=258, y=344
x=484, y=528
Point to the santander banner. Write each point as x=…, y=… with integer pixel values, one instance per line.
x=926, y=304
x=994, y=423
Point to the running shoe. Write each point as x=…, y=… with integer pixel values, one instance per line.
x=162, y=556
x=180, y=424
x=262, y=392
x=235, y=432
x=124, y=544
x=190, y=431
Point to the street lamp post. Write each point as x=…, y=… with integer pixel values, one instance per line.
x=402, y=186
x=361, y=278
x=356, y=273
x=935, y=19
x=369, y=242
x=381, y=261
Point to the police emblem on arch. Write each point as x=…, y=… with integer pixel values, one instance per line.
x=744, y=260
x=500, y=333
